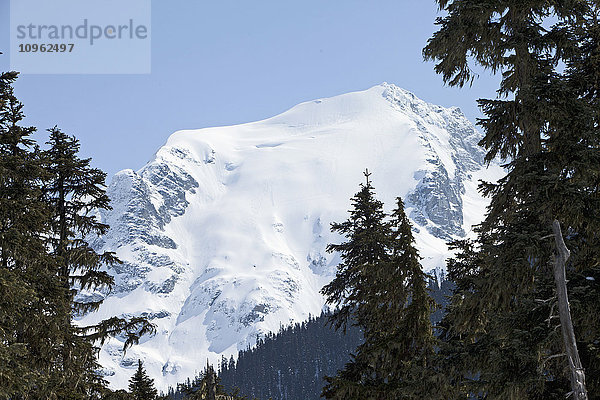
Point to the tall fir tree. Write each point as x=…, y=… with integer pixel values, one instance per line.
x=500, y=331
x=25, y=314
x=380, y=286
x=365, y=250
x=47, y=200
x=410, y=349
x=74, y=191
x=141, y=386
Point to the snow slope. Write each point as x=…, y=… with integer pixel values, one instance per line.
x=223, y=233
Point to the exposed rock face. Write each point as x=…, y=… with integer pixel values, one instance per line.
x=223, y=234
x=143, y=204
x=437, y=198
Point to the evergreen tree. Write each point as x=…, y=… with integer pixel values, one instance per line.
x=23, y=213
x=117, y=395
x=574, y=159
x=47, y=203
x=500, y=331
x=293, y=361
x=25, y=315
x=365, y=250
x=72, y=192
x=75, y=192
x=73, y=374
x=410, y=350
x=382, y=286
x=141, y=386
x=208, y=386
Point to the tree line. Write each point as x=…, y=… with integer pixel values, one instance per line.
x=293, y=363
x=288, y=364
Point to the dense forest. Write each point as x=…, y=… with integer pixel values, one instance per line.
x=289, y=364
x=292, y=363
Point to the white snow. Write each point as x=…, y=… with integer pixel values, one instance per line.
x=475, y=205
x=251, y=244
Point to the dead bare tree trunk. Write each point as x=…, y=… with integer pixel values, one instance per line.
x=560, y=260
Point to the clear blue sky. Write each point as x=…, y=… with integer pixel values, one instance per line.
x=227, y=62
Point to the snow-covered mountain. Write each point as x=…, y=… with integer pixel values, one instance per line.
x=223, y=234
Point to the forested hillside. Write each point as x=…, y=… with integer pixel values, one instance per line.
x=292, y=363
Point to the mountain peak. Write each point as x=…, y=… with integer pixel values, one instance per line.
x=372, y=104
x=223, y=234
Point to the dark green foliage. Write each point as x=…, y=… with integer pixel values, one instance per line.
x=16, y=374
x=70, y=191
x=500, y=335
x=22, y=212
x=574, y=159
x=414, y=335
x=117, y=395
x=292, y=363
x=381, y=285
x=205, y=387
x=47, y=209
x=25, y=268
x=74, y=190
x=367, y=248
x=141, y=386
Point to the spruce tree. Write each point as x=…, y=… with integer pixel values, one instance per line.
x=365, y=251
x=141, y=386
x=367, y=248
x=410, y=349
x=386, y=296
x=574, y=158
x=47, y=203
x=25, y=315
x=500, y=330
x=74, y=191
